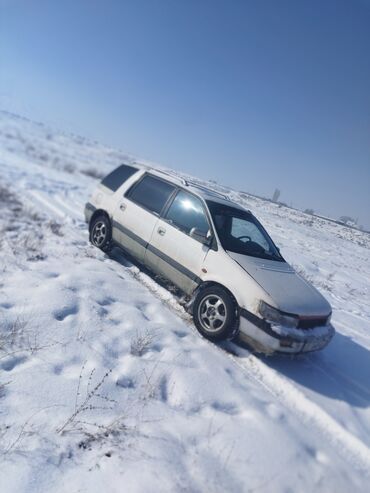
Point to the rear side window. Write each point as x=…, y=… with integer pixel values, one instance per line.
x=151, y=193
x=115, y=179
x=187, y=212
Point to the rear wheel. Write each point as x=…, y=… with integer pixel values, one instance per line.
x=215, y=313
x=101, y=232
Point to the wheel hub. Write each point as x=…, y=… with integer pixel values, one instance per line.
x=212, y=313
x=99, y=233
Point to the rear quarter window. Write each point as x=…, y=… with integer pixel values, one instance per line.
x=118, y=176
x=151, y=193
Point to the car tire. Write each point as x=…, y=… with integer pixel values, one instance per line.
x=101, y=232
x=215, y=313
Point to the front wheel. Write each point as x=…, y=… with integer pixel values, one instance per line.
x=101, y=233
x=215, y=313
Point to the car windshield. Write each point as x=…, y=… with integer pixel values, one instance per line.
x=240, y=232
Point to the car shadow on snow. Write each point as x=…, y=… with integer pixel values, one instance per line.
x=341, y=371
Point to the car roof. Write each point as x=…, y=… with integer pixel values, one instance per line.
x=194, y=187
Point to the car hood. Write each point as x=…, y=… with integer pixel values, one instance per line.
x=288, y=290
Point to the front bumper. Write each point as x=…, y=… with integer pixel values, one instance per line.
x=266, y=339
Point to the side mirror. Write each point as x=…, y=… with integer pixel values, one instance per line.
x=201, y=236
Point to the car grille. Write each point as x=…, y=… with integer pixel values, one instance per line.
x=310, y=323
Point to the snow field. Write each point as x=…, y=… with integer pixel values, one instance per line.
x=104, y=382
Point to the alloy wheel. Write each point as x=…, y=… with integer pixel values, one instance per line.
x=212, y=313
x=99, y=233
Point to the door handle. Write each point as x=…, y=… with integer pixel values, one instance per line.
x=122, y=207
x=161, y=231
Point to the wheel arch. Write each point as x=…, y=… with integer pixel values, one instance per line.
x=96, y=213
x=208, y=284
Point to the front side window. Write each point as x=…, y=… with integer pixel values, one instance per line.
x=187, y=212
x=118, y=176
x=151, y=193
x=248, y=231
x=240, y=232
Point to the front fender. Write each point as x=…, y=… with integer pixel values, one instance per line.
x=220, y=268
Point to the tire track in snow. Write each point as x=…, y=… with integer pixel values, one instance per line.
x=76, y=213
x=56, y=205
x=43, y=202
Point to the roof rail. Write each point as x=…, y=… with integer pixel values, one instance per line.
x=172, y=175
x=206, y=189
x=186, y=183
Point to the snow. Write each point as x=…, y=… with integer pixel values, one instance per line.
x=316, y=332
x=105, y=385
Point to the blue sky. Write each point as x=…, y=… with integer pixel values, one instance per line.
x=254, y=94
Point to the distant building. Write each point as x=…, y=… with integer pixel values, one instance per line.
x=276, y=195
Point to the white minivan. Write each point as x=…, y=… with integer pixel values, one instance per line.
x=236, y=281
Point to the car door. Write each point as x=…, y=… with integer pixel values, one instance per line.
x=172, y=251
x=137, y=213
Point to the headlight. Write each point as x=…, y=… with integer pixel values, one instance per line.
x=276, y=317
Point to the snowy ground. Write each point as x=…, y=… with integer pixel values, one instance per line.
x=106, y=386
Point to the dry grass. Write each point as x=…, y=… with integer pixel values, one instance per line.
x=6, y=197
x=141, y=342
x=22, y=227
x=20, y=333
x=89, y=400
x=69, y=168
x=55, y=227
x=13, y=333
